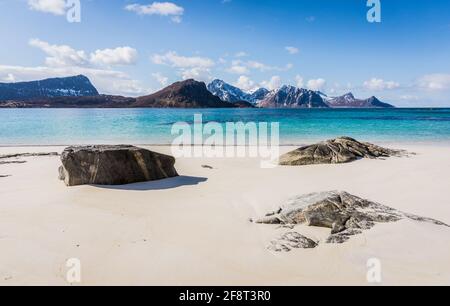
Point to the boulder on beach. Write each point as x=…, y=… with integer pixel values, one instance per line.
x=345, y=214
x=336, y=151
x=113, y=165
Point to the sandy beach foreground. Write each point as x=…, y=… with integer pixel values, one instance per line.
x=195, y=229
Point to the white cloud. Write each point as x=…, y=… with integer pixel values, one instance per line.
x=197, y=73
x=273, y=83
x=244, y=67
x=63, y=55
x=60, y=55
x=117, y=56
x=292, y=50
x=409, y=98
x=158, y=8
x=241, y=54
x=106, y=81
x=289, y=67
x=299, y=81
x=189, y=67
x=437, y=81
x=9, y=78
x=245, y=83
x=171, y=58
x=316, y=84
x=380, y=84
x=259, y=66
x=238, y=69
x=56, y=7
x=63, y=60
x=163, y=80
x=177, y=19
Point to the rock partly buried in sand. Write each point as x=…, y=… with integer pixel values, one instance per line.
x=291, y=240
x=345, y=214
x=336, y=151
x=114, y=165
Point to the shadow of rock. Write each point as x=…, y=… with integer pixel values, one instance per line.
x=164, y=184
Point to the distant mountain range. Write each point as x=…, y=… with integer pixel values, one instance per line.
x=291, y=97
x=349, y=100
x=78, y=91
x=76, y=86
x=185, y=94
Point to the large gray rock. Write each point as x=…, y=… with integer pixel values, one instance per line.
x=345, y=214
x=113, y=165
x=336, y=151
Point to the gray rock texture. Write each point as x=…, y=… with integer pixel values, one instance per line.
x=291, y=240
x=336, y=151
x=344, y=214
x=113, y=165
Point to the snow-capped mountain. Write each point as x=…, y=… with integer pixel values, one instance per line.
x=258, y=95
x=227, y=92
x=230, y=93
x=293, y=97
x=349, y=100
x=76, y=86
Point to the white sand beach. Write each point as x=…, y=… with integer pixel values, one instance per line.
x=195, y=229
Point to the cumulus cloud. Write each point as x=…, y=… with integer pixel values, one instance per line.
x=63, y=60
x=162, y=80
x=241, y=54
x=380, y=84
x=63, y=55
x=292, y=50
x=409, y=97
x=273, y=83
x=189, y=67
x=245, y=67
x=299, y=81
x=259, y=66
x=197, y=73
x=167, y=9
x=55, y=7
x=60, y=55
x=117, y=56
x=171, y=58
x=316, y=84
x=9, y=78
x=238, y=69
x=437, y=81
x=245, y=83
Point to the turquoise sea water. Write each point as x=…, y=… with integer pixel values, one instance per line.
x=153, y=126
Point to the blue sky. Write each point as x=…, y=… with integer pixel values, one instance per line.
x=134, y=47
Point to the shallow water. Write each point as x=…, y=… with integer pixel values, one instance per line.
x=153, y=126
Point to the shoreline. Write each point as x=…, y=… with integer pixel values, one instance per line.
x=442, y=143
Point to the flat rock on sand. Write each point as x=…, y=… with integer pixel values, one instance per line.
x=6, y=159
x=114, y=165
x=345, y=214
x=336, y=151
